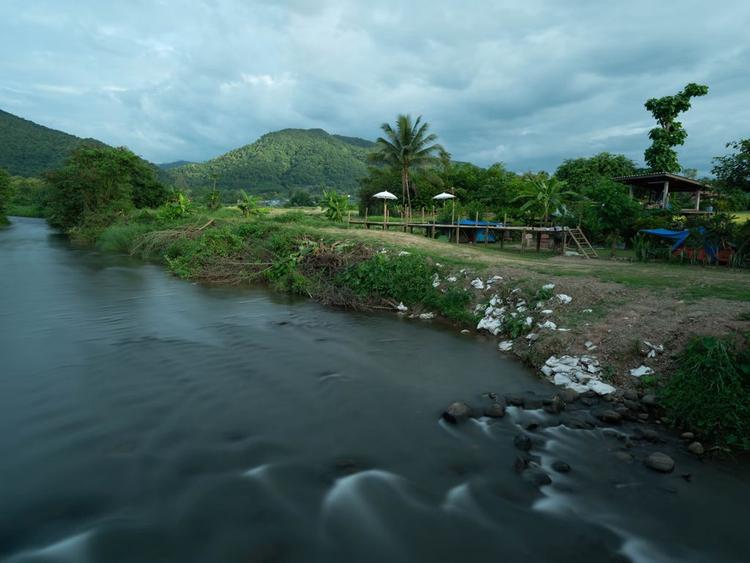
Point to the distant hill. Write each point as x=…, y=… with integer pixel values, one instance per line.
x=28, y=149
x=283, y=161
x=175, y=164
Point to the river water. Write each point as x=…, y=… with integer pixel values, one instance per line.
x=144, y=418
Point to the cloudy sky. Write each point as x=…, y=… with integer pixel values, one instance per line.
x=528, y=83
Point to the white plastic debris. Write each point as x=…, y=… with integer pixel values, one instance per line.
x=427, y=316
x=435, y=280
x=587, y=311
x=465, y=331
x=491, y=325
x=564, y=299
x=477, y=283
x=653, y=349
x=529, y=321
x=451, y=279
x=548, y=286
x=563, y=329
x=548, y=325
x=571, y=253
x=438, y=265
x=505, y=345
x=494, y=279
x=404, y=253
x=590, y=345
x=547, y=311
x=532, y=336
x=576, y=372
x=640, y=371
x=402, y=308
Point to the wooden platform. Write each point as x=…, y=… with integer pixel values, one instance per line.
x=454, y=231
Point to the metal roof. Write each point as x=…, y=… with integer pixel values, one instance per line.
x=655, y=181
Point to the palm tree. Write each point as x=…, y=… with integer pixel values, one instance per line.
x=544, y=196
x=407, y=145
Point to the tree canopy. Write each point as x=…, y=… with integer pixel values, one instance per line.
x=97, y=184
x=661, y=156
x=6, y=194
x=733, y=170
x=407, y=146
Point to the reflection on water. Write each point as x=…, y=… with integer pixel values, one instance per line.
x=143, y=418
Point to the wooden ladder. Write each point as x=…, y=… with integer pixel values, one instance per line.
x=582, y=243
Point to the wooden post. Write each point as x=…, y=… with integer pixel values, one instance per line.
x=523, y=238
x=565, y=239
x=349, y=219
x=698, y=201
x=538, y=241
x=385, y=213
x=502, y=238
x=665, y=195
x=423, y=221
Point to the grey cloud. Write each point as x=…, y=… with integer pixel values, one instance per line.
x=527, y=83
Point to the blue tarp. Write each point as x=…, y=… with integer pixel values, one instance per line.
x=679, y=238
x=478, y=236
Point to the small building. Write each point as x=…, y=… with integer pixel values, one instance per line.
x=657, y=186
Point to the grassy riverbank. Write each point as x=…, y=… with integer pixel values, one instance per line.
x=625, y=314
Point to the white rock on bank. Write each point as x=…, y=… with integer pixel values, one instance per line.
x=477, y=283
x=402, y=308
x=505, y=346
x=548, y=325
x=564, y=299
x=640, y=371
x=576, y=372
x=427, y=316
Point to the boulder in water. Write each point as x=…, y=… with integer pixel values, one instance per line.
x=495, y=410
x=522, y=442
x=660, y=462
x=457, y=412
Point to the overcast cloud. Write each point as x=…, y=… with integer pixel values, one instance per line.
x=527, y=83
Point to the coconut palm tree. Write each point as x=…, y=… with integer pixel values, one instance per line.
x=544, y=196
x=406, y=146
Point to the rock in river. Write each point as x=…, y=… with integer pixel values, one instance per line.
x=457, y=412
x=495, y=410
x=522, y=442
x=660, y=462
x=609, y=416
x=696, y=448
x=560, y=466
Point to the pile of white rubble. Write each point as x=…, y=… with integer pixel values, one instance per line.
x=579, y=373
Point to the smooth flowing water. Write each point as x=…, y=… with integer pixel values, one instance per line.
x=144, y=418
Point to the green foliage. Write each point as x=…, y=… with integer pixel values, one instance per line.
x=661, y=156
x=543, y=196
x=6, y=195
x=213, y=199
x=301, y=198
x=614, y=212
x=178, y=206
x=405, y=147
x=29, y=197
x=584, y=174
x=515, y=326
x=335, y=205
x=710, y=392
x=248, y=204
x=98, y=184
x=285, y=160
x=733, y=170
x=28, y=149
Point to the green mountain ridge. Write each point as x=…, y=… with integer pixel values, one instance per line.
x=29, y=149
x=282, y=161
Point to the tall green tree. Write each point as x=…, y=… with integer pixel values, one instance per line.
x=733, y=170
x=661, y=156
x=582, y=174
x=6, y=194
x=406, y=146
x=544, y=196
x=97, y=184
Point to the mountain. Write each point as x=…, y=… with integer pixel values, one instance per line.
x=175, y=164
x=283, y=161
x=28, y=149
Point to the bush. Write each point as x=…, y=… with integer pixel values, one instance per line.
x=710, y=392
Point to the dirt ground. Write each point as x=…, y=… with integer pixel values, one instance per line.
x=630, y=303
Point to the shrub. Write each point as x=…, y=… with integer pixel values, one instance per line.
x=710, y=392
x=405, y=278
x=335, y=205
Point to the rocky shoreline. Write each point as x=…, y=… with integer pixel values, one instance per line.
x=632, y=419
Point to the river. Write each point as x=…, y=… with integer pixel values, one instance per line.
x=144, y=418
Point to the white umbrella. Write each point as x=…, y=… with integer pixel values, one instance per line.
x=444, y=196
x=385, y=196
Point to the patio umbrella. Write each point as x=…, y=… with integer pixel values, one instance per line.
x=385, y=196
x=444, y=196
